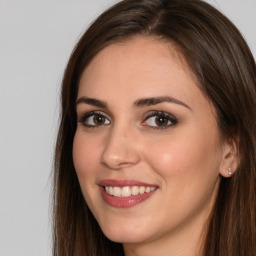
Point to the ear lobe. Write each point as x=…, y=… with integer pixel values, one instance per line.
x=230, y=160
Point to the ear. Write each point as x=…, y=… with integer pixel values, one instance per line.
x=230, y=160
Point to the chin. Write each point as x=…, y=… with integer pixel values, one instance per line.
x=125, y=238
x=124, y=234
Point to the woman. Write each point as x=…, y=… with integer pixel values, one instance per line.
x=157, y=141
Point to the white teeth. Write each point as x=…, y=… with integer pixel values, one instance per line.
x=147, y=189
x=128, y=191
x=111, y=191
x=117, y=191
x=135, y=190
x=142, y=190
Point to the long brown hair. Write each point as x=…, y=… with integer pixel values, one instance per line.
x=226, y=71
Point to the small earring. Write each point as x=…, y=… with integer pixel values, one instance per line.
x=229, y=171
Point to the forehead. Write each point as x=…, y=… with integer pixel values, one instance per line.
x=139, y=67
x=137, y=56
x=142, y=45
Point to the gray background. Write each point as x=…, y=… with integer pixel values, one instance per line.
x=36, y=38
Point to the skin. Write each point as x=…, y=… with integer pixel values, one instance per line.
x=184, y=159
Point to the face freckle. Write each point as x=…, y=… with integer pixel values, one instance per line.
x=181, y=158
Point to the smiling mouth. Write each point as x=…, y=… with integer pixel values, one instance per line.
x=128, y=191
x=125, y=193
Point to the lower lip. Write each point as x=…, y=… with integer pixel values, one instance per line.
x=124, y=202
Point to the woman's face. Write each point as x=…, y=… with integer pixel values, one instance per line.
x=146, y=150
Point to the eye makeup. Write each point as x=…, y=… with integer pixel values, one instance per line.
x=153, y=119
x=94, y=119
x=159, y=120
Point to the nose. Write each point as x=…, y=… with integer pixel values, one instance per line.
x=120, y=149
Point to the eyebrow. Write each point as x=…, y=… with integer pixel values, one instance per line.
x=92, y=101
x=157, y=100
x=138, y=103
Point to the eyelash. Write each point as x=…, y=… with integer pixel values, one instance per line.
x=171, y=120
x=164, y=115
x=86, y=116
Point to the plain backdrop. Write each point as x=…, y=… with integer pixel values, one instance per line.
x=36, y=39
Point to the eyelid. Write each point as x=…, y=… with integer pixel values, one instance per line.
x=164, y=114
x=85, y=115
x=154, y=113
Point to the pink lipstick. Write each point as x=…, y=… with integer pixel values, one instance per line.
x=125, y=193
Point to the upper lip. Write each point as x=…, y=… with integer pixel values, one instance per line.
x=124, y=183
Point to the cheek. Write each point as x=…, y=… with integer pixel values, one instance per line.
x=188, y=169
x=85, y=154
x=85, y=157
x=193, y=152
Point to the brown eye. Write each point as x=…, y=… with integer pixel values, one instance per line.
x=160, y=120
x=93, y=119
x=99, y=120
